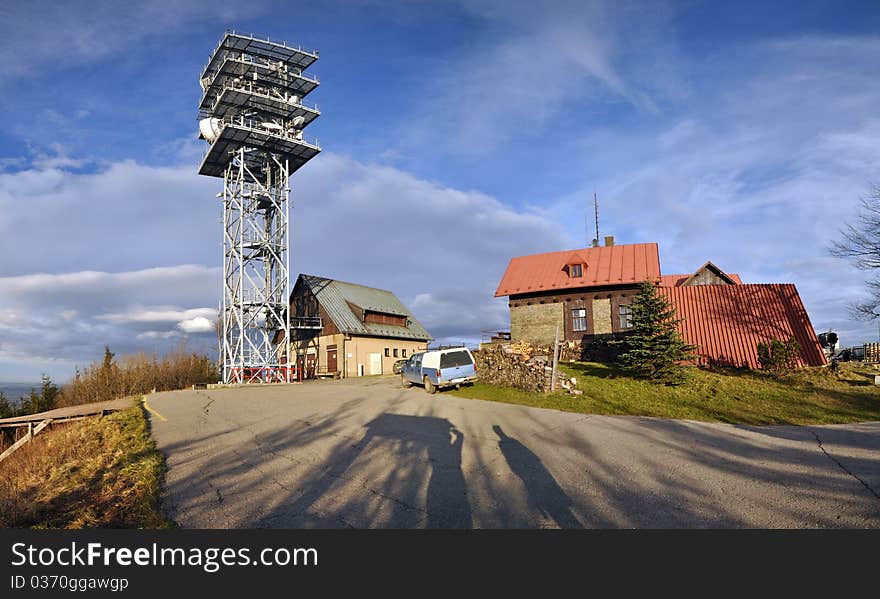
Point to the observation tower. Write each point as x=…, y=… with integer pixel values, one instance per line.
x=252, y=114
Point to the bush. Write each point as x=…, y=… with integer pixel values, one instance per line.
x=137, y=374
x=778, y=356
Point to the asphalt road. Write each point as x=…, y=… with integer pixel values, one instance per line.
x=369, y=454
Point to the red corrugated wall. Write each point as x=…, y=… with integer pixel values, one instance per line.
x=726, y=322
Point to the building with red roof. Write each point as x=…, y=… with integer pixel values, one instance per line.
x=585, y=294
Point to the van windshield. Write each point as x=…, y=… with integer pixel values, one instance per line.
x=455, y=358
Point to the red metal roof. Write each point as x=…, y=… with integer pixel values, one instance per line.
x=615, y=265
x=678, y=280
x=726, y=322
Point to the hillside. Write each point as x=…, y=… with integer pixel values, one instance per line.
x=103, y=472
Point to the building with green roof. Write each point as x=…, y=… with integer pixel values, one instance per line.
x=345, y=329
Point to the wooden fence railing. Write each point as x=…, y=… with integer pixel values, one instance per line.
x=36, y=423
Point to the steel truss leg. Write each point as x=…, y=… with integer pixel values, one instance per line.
x=256, y=281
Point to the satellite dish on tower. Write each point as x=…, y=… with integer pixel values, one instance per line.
x=249, y=115
x=209, y=129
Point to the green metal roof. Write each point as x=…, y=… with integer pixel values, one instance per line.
x=337, y=297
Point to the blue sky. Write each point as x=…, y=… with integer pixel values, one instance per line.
x=743, y=133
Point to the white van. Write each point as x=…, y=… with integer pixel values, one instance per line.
x=439, y=368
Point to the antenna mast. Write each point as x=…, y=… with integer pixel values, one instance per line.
x=252, y=115
x=596, y=212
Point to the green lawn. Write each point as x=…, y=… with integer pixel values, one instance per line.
x=809, y=396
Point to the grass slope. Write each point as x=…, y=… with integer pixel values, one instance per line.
x=809, y=396
x=98, y=473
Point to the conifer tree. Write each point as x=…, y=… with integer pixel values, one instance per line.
x=654, y=348
x=49, y=392
x=6, y=408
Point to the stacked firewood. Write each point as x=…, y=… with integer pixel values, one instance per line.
x=508, y=366
x=499, y=365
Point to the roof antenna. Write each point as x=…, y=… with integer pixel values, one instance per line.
x=596, y=212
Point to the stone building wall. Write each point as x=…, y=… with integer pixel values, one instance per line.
x=537, y=323
x=602, y=317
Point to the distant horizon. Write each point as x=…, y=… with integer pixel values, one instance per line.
x=16, y=391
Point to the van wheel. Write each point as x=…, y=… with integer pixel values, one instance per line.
x=429, y=386
x=406, y=384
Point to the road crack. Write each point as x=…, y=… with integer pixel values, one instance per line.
x=842, y=467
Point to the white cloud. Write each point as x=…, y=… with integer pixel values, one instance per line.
x=159, y=314
x=158, y=335
x=199, y=324
x=363, y=223
x=124, y=216
x=441, y=250
x=56, y=320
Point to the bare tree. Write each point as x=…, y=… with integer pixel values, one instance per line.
x=860, y=243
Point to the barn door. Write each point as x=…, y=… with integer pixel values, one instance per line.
x=375, y=363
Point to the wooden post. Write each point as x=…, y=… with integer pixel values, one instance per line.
x=32, y=432
x=555, y=361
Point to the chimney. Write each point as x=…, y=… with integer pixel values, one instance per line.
x=609, y=240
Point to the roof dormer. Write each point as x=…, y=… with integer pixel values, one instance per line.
x=575, y=266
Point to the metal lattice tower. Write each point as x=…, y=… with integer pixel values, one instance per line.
x=252, y=115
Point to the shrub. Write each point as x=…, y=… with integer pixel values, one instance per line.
x=137, y=374
x=778, y=356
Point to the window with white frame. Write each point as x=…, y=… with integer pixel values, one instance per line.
x=579, y=319
x=625, y=317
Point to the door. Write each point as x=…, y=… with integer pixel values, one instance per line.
x=375, y=363
x=332, y=365
x=413, y=369
x=311, y=365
